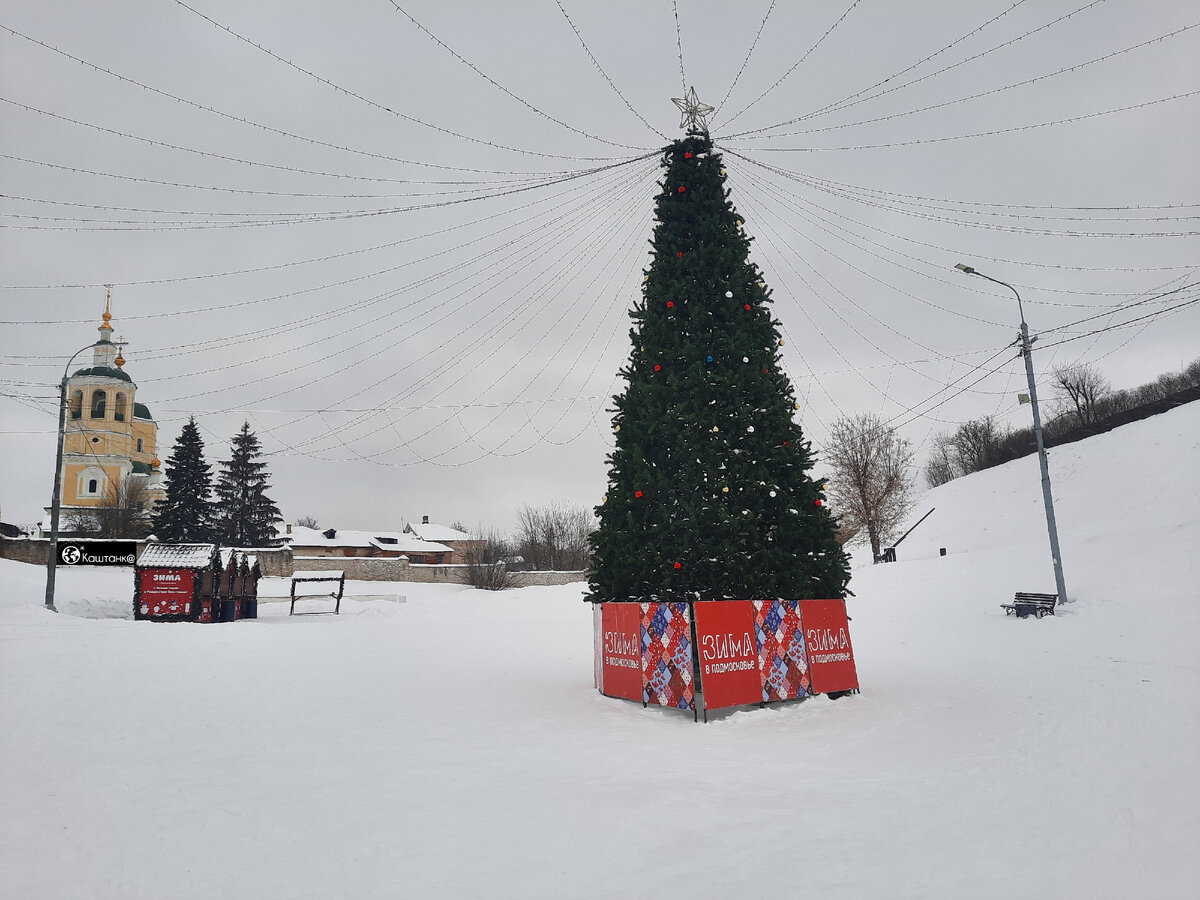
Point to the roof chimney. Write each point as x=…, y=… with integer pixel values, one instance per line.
x=424, y=520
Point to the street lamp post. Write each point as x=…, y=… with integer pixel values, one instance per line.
x=1047, y=495
x=55, y=501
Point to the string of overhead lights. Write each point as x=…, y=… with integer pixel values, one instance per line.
x=893, y=83
x=782, y=78
x=404, y=116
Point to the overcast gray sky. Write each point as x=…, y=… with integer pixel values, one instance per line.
x=401, y=238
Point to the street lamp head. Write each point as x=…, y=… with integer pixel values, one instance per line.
x=965, y=269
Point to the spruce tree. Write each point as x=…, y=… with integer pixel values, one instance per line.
x=186, y=513
x=710, y=490
x=246, y=516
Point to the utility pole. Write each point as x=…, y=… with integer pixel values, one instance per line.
x=56, y=497
x=1047, y=495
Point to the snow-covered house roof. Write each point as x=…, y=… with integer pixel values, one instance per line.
x=389, y=541
x=429, y=532
x=178, y=556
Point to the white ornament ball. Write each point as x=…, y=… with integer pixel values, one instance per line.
x=729, y=294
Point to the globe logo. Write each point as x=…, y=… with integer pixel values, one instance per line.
x=71, y=555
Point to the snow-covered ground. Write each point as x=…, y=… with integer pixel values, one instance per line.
x=453, y=745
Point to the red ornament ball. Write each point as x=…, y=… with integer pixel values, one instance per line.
x=657, y=367
x=670, y=304
x=638, y=494
x=688, y=155
x=681, y=254
x=678, y=565
x=820, y=502
x=746, y=306
x=682, y=189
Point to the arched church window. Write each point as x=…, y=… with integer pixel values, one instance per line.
x=99, y=400
x=93, y=482
x=119, y=408
x=76, y=404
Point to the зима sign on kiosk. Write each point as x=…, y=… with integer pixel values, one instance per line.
x=715, y=550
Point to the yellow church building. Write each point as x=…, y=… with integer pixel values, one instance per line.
x=109, y=437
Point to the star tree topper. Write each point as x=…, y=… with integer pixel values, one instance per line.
x=694, y=113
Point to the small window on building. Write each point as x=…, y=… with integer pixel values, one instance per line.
x=99, y=401
x=140, y=445
x=93, y=486
x=119, y=408
x=76, y=404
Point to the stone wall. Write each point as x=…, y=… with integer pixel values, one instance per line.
x=539, y=579
x=378, y=568
x=26, y=550
x=357, y=568
x=279, y=562
x=274, y=561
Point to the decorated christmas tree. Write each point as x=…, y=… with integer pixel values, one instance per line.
x=710, y=492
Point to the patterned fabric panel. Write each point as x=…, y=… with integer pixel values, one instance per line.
x=782, y=657
x=667, y=655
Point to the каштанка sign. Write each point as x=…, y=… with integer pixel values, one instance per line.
x=97, y=553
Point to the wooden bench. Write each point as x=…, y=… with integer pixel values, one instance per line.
x=309, y=584
x=1025, y=604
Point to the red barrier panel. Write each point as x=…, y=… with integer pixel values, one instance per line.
x=728, y=653
x=621, y=644
x=830, y=655
x=748, y=651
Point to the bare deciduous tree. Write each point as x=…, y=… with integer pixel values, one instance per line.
x=555, y=537
x=488, y=561
x=1081, y=389
x=942, y=465
x=123, y=513
x=974, y=444
x=870, y=484
x=307, y=522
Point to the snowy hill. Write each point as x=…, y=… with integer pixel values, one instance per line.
x=453, y=745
